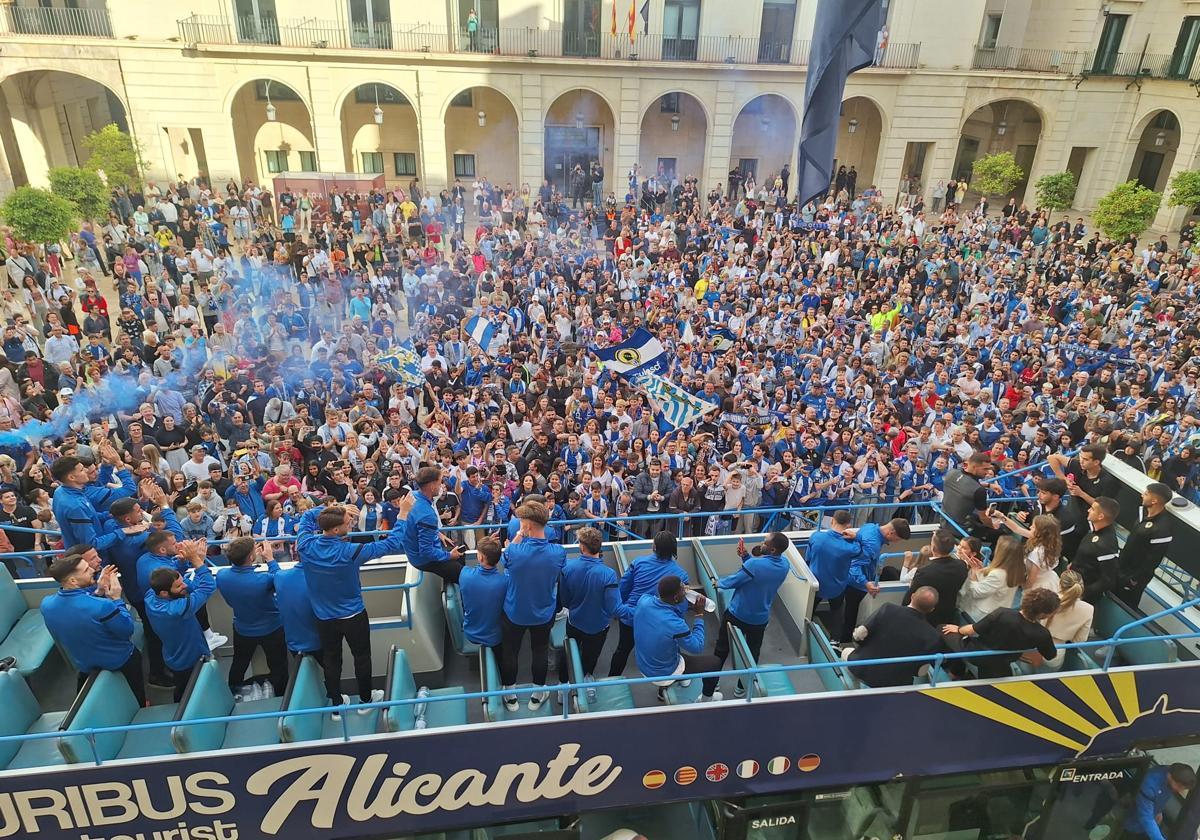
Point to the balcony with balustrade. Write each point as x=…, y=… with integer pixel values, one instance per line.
x=21, y=20
x=1079, y=63
x=513, y=42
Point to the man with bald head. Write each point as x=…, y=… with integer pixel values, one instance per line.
x=895, y=631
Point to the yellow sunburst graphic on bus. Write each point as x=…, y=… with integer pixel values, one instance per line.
x=1075, y=718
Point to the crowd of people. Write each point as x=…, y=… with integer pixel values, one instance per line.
x=855, y=352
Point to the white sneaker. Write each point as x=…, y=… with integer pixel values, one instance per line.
x=716, y=698
x=254, y=692
x=510, y=700
x=268, y=691
x=537, y=699
x=345, y=702
x=214, y=639
x=376, y=697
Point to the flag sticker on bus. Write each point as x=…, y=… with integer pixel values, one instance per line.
x=808, y=763
x=748, y=769
x=654, y=780
x=716, y=772
x=685, y=775
x=778, y=765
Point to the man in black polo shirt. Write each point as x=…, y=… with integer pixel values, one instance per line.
x=1084, y=474
x=1146, y=546
x=12, y=512
x=1096, y=558
x=945, y=574
x=1055, y=499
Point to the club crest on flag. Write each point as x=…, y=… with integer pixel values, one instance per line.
x=402, y=361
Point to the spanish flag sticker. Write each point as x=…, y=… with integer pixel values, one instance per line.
x=778, y=765
x=654, y=780
x=685, y=775
x=808, y=763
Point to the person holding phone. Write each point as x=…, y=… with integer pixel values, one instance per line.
x=426, y=547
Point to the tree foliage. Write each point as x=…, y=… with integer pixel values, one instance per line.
x=114, y=153
x=996, y=174
x=38, y=215
x=1056, y=191
x=83, y=188
x=1185, y=189
x=1127, y=210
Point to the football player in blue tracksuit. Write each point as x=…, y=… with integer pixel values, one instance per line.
x=641, y=578
x=77, y=518
x=296, y=612
x=331, y=566
x=98, y=492
x=754, y=586
x=482, y=589
x=172, y=603
x=423, y=542
x=591, y=593
x=250, y=593
x=829, y=556
x=871, y=539
x=666, y=646
x=91, y=622
x=534, y=566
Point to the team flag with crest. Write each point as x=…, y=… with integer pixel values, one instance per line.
x=640, y=352
x=722, y=339
x=402, y=361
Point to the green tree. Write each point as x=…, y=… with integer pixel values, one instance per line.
x=114, y=152
x=83, y=188
x=996, y=174
x=1056, y=191
x=1127, y=210
x=1185, y=189
x=38, y=215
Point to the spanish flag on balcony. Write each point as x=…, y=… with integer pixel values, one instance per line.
x=632, y=21
x=614, y=18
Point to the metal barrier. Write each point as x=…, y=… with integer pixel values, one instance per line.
x=934, y=660
x=58, y=22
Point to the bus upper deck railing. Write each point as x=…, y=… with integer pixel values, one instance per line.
x=933, y=660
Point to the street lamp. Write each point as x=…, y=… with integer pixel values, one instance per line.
x=482, y=119
x=1160, y=138
x=1001, y=127
x=674, y=122
x=852, y=126
x=270, y=107
x=578, y=119
x=378, y=111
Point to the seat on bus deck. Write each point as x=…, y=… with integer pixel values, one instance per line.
x=769, y=684
x=208, y=696
x=609, y=697
x=23, y=717
x=107, y=701
x=1111, y=616
x=306, y=692
x=402, y=686
x=819, y=649
x=709, y=577
x=452, y=603
x=24, y=633
x=493, y=707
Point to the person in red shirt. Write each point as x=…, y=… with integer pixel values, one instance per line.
x=277, y=486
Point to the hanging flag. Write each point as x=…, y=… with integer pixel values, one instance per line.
x=402, y=361
x=482, y=331
x=843, y=41
x=674, y=407
x=641, y=351
x=686, y=334
x=632, y=21
x=614, y=18
x=722, y=339
x=646, y=18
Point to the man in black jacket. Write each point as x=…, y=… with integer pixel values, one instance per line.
x=945, y=574
x=894, y=631
x=1096, y=559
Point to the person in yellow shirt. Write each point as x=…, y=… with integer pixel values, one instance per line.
x=407, y=210
x=701, y=287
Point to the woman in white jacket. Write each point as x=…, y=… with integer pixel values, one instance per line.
x=1072, y=621
x=994, y=586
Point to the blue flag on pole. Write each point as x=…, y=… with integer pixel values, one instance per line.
x=641, y=351
x=482, y=331
x=843, y=41
x=402, y=361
